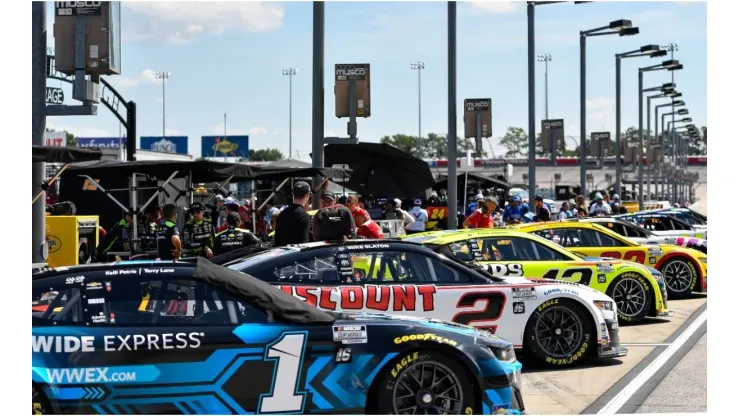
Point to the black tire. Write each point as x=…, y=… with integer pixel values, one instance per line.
x=40, y=404
x=400, y=379
x=539, y=343
x=633, y=297
x=681, y=277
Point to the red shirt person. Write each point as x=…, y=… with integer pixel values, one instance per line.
x=482, y=218
x=368, y=228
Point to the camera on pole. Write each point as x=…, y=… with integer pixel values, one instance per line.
x=478, y=120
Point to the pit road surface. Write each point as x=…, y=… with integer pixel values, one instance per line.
x=589, y=388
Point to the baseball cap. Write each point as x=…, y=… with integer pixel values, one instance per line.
x=398, y=202
x=230, y=201
x=327, y=195
x=196, y=207
x=616, y=197
x=516, y=198
x=417, y=201
x=572, y=201
x=479, y=197
x=219, y=197
x=301, y=186
x=599, y=197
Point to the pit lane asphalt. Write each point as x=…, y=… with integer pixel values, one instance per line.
x=589, y=388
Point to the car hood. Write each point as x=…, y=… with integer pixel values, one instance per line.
x=356, y=318
x=670, y=248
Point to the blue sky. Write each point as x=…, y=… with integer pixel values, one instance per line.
x=228, y=57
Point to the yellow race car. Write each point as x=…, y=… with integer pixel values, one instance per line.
x=684, y=269
x=638, y=291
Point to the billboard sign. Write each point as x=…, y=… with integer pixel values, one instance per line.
x=102, y=142
x=360, y=74
x=54, y=96
x=167, y=144
x=600, y=143
x=224, y=146
x=472, y=105
x=552, y=133
x=55, y=138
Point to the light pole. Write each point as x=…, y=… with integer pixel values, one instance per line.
x=163, y=76
x=531, y=88
x=665, y=143
x=647, y=50
x=418, y=66
x=621, y=27
x=669, y=65
x=672, y=139
x=546, y=58
x=680, y=142
x=666, y=92
x=290, y=73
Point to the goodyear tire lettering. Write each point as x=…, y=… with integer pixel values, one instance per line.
x=405, y=362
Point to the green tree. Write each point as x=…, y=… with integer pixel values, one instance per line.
x=410, y=144
x=71, y=139
x=516, y=142
x=265, y=155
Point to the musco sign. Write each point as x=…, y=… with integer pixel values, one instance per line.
x=78, y=8
x=351, y=72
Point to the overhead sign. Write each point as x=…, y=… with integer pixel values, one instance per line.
x=224, y=146
x=101, y=142
x=360, y=74
x=600, y=141
x=167, y=144
x=54, y=96
x=473, y=105
x=553, y=133
x=55, y=138
x=78, y=8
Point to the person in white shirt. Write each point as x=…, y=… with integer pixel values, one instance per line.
x=421, y=217
x=407, y=218
x=600, y=209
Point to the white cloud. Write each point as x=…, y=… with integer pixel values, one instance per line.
x=179, y=23
x=82, y=131
x=600, y=113
x=495, y=7
x=147, y=76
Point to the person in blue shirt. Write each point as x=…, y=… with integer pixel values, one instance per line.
x=477, y=203
x=513, y=213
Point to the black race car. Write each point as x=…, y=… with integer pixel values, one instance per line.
x=191, y=337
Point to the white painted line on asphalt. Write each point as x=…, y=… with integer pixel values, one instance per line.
x=630, y=389
x=639, y=344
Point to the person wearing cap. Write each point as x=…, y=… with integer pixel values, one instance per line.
x=116, y=239
x=475, y=205
x=599, y=208
x=565, y=211
x=408, y=219
x=293, y=222
x=218, y=211
x=233, y=237
x=513, y=213
x=542, y=212
x=615, y=200
x=231, y=205
x=198, y=233
x=421, y=217
x=147, y=228
x=483, y=218
x=333, y=221
x=391, y=211
x=169, y=245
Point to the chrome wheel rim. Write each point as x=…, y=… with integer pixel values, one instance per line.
x=678, y=276
x=427, y=388
x=630, y=297
x=559, y=332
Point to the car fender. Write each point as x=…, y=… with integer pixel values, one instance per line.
x=679, y=252
x=622, y=267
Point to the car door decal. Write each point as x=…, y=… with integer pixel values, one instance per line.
x=384, y=298
x=584, y=273
x=491, y=312
x=284, y=396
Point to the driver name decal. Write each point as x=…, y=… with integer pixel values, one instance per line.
x=392, y=298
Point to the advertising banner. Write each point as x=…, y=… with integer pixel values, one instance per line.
x=553, y=133
x=101, y=142
x=224, y=146
x=360, y=74
x=55, y=138
x=167, y=144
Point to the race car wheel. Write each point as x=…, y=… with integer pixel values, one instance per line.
x=40, y=405
x=632, y=295
x=559, y=333
x=680, y=277
x=426, y=382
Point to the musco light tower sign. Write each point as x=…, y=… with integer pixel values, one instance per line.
x=352, y=94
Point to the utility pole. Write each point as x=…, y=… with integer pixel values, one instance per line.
x=418, y=66
x=290, y=73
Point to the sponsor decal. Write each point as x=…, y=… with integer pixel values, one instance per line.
x=547, y=304
x=573, y=358
x=405, y=362
x=108, y=288
x=394, y=298
x=653, y=260
x=135, y=342
x=350, y=334
x=99, y=318
x=424, y=337
x=525, y=293
x=562, y=290
x=88, y=375
x=605, y=267
x=518, y=308
x=54, y=243
x=157, y=271
x=73, y=280
x=94, y=286
x=96, y=301
x=601, y=277
x=344, y=355
x=655, y=251
x=511, y=269
x=367, y=246
x=604, y=335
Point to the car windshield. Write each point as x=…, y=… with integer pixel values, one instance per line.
x=260, y=257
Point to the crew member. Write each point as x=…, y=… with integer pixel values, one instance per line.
x=169, y=246
x=483, y=218
x=117, y=239
x=542, y=213
x=231, y=206
x=198, y=233
x=234, y=237
x=421, y=217
x=513, y=212
x=147, y=229
x=292, y=224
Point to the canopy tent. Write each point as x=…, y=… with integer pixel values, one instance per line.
x=484, y=181
x=53, y=154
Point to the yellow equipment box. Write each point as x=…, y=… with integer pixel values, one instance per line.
x=71, y=239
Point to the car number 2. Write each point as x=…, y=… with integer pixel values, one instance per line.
x=284, y=397
x=491, y=312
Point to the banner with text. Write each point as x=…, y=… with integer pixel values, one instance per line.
x=224, y=146
x=101, y=142
x=55, y=138
x=167, y=144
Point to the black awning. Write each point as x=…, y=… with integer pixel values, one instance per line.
x=53, y=154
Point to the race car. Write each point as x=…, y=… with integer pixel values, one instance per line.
x=684, y=269
x=666, y=225
x=175, y=337
x=558, y=323
x=637, y=290
x=643, y=235
x=687, y=214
